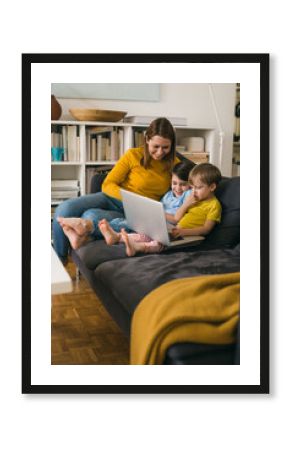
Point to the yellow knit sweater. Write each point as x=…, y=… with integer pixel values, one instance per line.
x=130, y=175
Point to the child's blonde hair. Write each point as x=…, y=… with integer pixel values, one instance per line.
x=208, y=173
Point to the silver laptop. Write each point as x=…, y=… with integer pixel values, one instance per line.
x=147, y=216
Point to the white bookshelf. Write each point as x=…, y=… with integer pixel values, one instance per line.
x=77, y=169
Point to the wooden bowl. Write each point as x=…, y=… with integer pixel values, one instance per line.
x=97, y=115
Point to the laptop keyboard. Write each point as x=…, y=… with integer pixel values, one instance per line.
x=172, y=239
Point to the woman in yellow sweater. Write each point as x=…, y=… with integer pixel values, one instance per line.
x=145, y=171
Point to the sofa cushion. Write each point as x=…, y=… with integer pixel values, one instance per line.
x=96, y=252
x=130, y=279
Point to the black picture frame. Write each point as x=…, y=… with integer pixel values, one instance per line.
x=262, y=60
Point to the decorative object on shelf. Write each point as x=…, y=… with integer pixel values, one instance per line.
x=97, y=115
x=57, y=153
x=55, y=108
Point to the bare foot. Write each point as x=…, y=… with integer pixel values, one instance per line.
x=76, y=241
x=110, y=236
x=80, y=226
x=132, y=247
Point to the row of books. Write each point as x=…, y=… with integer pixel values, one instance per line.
x=64, y=189
x=104, y=143
x=66, y=137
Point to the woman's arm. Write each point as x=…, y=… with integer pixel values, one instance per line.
x=197, y=231
x=112, y=182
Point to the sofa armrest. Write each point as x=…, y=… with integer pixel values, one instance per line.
x=97, y=181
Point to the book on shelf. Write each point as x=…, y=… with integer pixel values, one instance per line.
x=64, y=184
x=64, y=143
x=106, y=148
x=114, y=146
x=72, y=142
x=64, y=189
x=56, y=136
x=66, y=193
x=139, y=138
x=146, y=120
x=93, y=153
x=63, y=181
x=100, y=155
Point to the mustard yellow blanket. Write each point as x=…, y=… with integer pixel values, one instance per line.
x=202, y=309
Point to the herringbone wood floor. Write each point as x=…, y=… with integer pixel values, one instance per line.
x=82, y=332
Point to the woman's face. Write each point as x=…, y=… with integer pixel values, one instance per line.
x=158, y=147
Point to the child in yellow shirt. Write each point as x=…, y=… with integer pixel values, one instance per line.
x=199, y=214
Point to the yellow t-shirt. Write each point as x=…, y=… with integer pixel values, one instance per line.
x=197, y=214
x=130, y=175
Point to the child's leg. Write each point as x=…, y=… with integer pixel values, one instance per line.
x=111, y=237
x=134, y=246
x=136, y=237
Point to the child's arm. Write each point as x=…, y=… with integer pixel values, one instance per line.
x=170, y=218
x=190, y=201
x=197, y=231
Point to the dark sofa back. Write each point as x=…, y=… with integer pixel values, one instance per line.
x=227, y=233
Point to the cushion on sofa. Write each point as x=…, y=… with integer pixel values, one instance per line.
x=130, y=279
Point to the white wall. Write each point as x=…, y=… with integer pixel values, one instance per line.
x=192, y=101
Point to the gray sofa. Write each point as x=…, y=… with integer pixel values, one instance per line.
x=121, y=282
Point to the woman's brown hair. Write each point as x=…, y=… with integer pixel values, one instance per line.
x=160, y=127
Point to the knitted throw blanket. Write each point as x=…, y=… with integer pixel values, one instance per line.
x=203, y=309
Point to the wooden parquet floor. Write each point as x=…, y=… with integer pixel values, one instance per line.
x=82, y=332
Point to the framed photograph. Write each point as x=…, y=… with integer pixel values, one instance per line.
x=98, y=318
